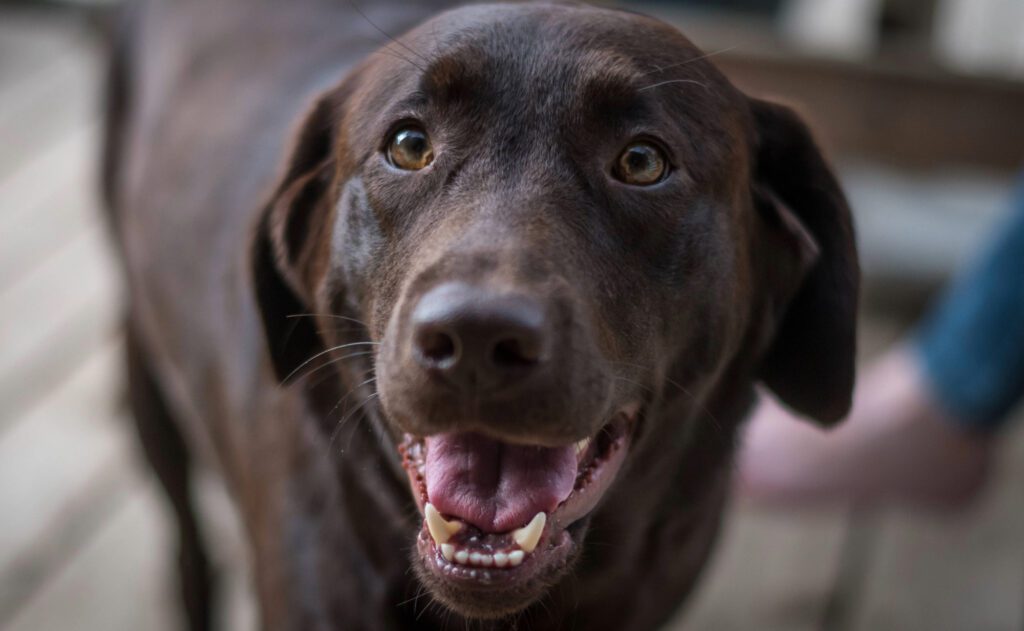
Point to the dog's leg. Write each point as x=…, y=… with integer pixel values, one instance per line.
x=168, y=455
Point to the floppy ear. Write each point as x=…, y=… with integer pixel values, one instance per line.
x=283, y=248
x=809, y=363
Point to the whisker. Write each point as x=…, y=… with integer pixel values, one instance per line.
x=691, y=60
x=389, y=36
x=385, y=50
x=337, y=329
x=350, y=392
x=635, y=383
x=342, y=422
x=367, y=376
x=414, y=599
x=327, y=315
x=682, y=389
x=424, y=610
x=651, y=369
x=335, y=361
x=322, y=353
x=661, y=83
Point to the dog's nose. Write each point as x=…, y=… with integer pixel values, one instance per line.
x=477, y=338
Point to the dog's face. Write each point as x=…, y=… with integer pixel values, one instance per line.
x=546, y=220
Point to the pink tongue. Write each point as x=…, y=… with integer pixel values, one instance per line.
x=496, y=486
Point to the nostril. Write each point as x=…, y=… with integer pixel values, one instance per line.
x=511, y=353
x=477, y=339
x=438, y=347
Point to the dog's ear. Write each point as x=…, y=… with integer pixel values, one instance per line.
x=809, y=260
x=283, y=249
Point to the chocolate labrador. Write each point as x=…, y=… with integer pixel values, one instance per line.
x=467, y=321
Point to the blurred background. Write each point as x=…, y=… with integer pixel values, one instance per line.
x=920, y=104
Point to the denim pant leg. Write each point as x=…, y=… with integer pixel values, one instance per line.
x=972, y=344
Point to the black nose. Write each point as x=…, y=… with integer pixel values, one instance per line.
x=477, y=338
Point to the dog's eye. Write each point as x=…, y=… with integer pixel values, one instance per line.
x=641, y=164
x=410, y=149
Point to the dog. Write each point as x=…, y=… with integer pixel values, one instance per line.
x=465, y=305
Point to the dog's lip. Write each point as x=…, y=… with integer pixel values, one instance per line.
x=598, y=468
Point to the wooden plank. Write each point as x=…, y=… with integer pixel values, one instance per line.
x=917, y=229
x=33, y=233
x=896, y=108
x=65, y=464
x=31, y=40
x=773, y=570
x=935, y=573
x=57, y=513
x=48, y=449
x=920, y=121
x=31, y=242
x=29, y=379
x=118, y=581
x=31, y=184
x=51, y=458
x=39, y=89
x=47, y=104
x=50, y=316
x=85, y=512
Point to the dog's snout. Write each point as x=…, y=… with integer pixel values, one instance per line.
x=477, y=338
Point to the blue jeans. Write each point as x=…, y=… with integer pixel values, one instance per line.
x=972, y=344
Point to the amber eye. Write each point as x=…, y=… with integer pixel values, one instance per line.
x=641, y=164
x=410, y=149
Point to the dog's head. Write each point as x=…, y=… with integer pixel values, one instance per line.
x=532, y=224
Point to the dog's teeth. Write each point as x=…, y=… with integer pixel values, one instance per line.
x=440, y=530
x=581, y=446
x=448, y=551
x=528, y=536
x=481, y=559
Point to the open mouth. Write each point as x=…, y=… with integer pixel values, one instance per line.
x=496, y=514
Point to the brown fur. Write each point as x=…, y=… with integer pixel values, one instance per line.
x=739, y=267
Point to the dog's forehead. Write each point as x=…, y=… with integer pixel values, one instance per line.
x=538, y=76
x=573, y=47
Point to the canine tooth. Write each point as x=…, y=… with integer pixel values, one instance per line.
x=581, y=446
x=500, y=559
x=453, y=526
x=516, y=557
x=440, y=530
x=436, y=525
x=462, y=557
x=528, y=536
x=476, y=558
x=448, y=551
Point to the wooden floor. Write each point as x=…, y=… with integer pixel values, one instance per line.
x=83, y=541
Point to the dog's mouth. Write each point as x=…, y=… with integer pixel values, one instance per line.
x=497, y=515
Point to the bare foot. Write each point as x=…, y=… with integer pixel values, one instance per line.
x=897, y=445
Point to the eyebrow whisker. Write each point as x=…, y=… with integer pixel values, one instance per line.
x=661, y=83
x=388, y=35
x=386, y=50
x=691, y=60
